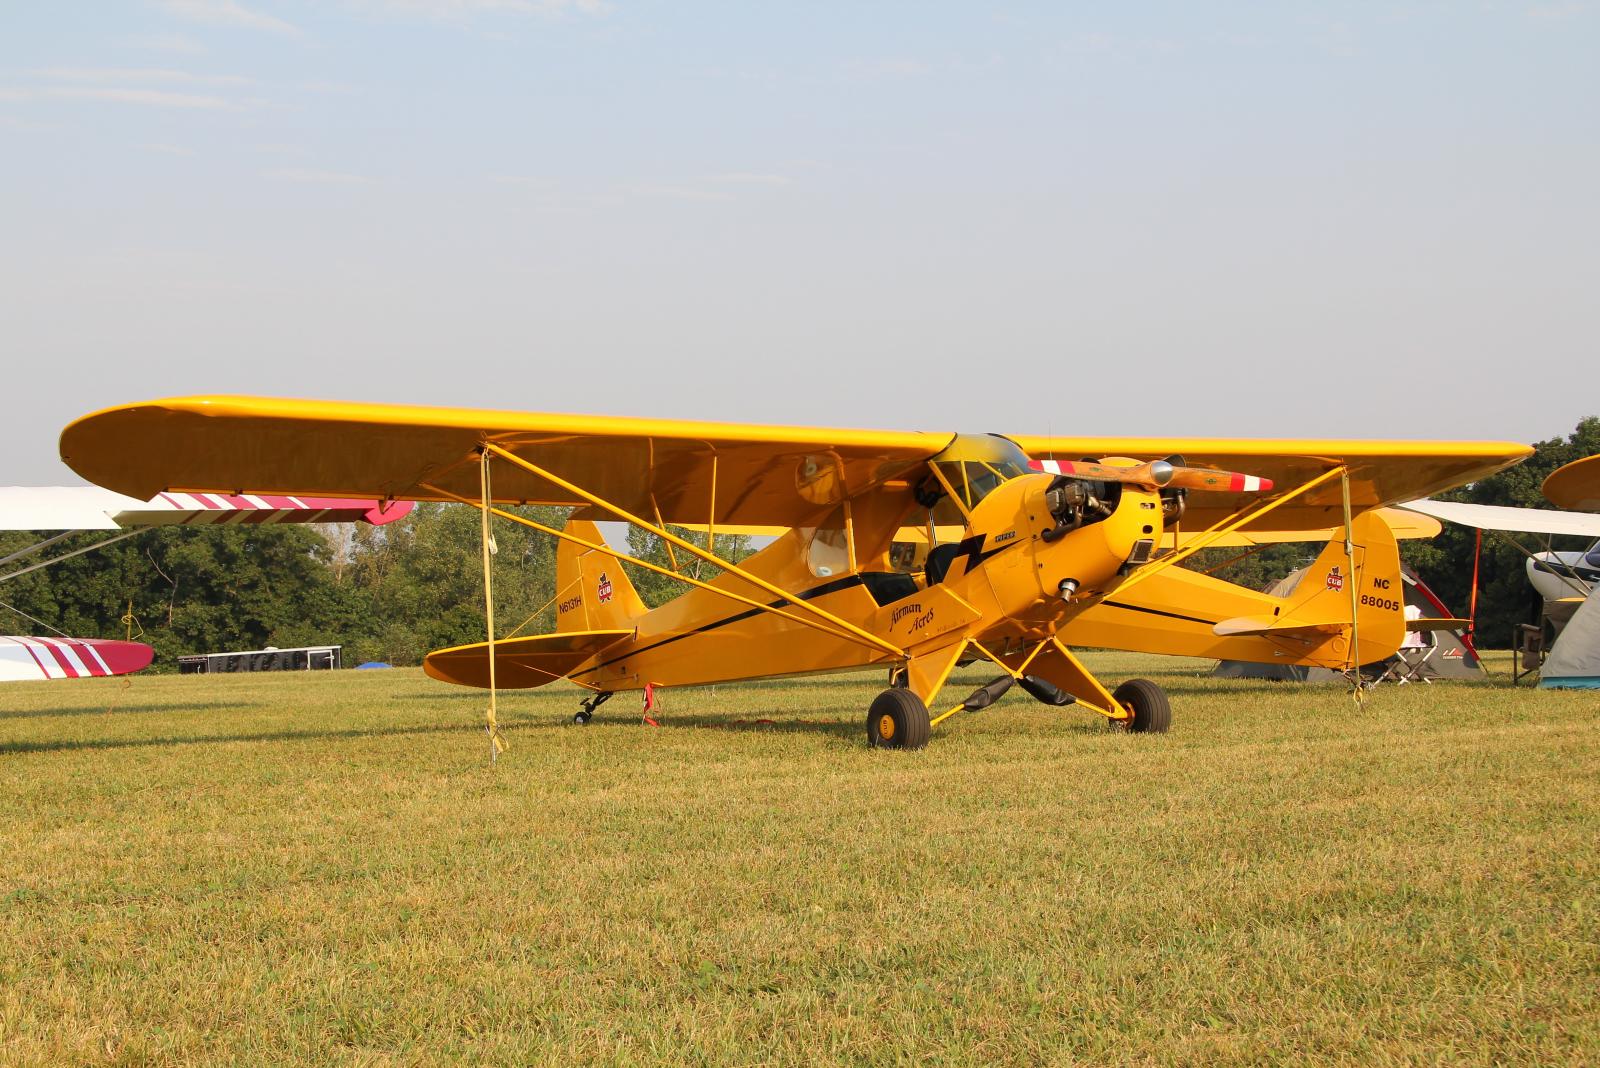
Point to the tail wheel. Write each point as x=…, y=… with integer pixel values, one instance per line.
x=897, y=720
x=1152, y=712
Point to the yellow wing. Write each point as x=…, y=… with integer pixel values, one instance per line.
x=1575, y=486
x=685, y=472
x=1381, y=472
x=688, y=471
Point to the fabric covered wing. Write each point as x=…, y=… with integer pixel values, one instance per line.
x=520, y=663
x=688, y=471
x=1575, y=486
x=27, y=658
x=1510, y=520
x=93, y=508
x=1381, y=472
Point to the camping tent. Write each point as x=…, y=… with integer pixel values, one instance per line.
x=1574, y=661
x=1453, y=658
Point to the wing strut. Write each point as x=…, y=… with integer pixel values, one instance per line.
x=1239, y=519
x=1350, y=569
x=864, y=636
x=64, y=556
x=804, y=621
x=497, y=741
x=1228, y=526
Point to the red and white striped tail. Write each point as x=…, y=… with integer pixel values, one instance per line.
x=29, y=659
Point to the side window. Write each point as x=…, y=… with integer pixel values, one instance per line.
x=828, y=552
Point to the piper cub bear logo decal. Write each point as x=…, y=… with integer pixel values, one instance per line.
x=1335, y=580
x=604, y=588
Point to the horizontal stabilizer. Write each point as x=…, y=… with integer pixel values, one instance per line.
x=1257, y=625
x=521, y=663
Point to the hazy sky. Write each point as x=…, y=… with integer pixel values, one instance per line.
x=1249, y=219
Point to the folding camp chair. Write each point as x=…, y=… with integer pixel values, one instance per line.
x=1410, y=661
x=1527, y=642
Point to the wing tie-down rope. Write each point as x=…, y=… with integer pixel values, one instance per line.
x=497, y=741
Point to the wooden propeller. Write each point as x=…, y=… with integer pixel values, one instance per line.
x=1157, y=474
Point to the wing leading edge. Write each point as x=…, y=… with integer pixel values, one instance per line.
x=683, y=471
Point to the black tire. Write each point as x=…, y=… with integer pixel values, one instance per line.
x=897, y=720
x=581, y=717
x=1152, y=712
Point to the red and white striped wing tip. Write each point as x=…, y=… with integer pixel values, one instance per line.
x=1195, y=478
x=248, y=508
x=26, y=659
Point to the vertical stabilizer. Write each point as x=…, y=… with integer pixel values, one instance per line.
x=1323, y=596
x=592, y=591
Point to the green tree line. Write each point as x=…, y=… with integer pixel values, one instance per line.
x=393, y=593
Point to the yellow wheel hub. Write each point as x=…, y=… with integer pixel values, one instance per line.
x=885, y=727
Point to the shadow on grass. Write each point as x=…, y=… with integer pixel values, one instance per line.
x=114, y=709
x=68, y=745
x=735, y=724
x=746, y=725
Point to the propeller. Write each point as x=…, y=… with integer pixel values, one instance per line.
x=1157, y=474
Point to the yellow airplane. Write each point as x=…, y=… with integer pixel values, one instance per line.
x=905, y=550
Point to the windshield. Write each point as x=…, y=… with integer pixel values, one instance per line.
x=972, y=466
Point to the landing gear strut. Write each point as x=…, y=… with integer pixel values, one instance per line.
x=592, y=702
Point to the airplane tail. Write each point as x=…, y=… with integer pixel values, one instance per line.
x=593, y=592
x=1319, y=605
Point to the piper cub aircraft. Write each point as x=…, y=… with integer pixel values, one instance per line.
x=908, y=551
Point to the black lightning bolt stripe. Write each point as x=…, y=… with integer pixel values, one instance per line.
x=1159, y=612
x=972, y=549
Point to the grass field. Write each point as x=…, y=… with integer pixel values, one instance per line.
x=324, y=869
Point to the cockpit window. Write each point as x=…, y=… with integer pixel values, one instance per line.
x=973, y=466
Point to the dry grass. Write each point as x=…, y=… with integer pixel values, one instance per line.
x=324, y=869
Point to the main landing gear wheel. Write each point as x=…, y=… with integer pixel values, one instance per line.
x=897, y=720
x=582, y=716
x=1152, y=712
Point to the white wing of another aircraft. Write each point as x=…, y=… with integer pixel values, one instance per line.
x=93, y=508
x=1512, y=520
